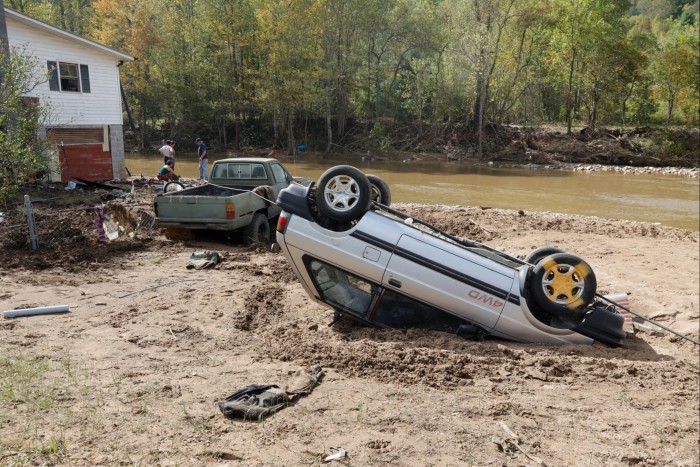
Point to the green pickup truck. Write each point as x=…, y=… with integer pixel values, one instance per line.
x=240, y=195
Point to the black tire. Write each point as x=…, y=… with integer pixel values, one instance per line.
x=343, y=193
x=258, y=231
x=563, y=285
x=173, y=186
x=537, y=254
x=380, y=190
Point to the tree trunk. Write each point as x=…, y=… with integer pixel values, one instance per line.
x=593, y=115
x=329, y=127
x=671, y=97
x=569, y=92
x=291, y=150
x=341, y=106
x=624, y=104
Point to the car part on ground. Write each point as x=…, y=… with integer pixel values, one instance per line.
x=381, y=267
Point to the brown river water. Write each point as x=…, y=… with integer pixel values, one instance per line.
x=667, y=199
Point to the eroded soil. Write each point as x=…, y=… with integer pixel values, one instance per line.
x=132, y=374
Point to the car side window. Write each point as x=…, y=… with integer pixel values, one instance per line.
x=341, y=289
x=399, y=311
x=278, y=173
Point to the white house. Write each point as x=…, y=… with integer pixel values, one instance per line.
x=83, y=97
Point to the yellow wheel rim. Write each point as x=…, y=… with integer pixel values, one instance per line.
x=564, y=284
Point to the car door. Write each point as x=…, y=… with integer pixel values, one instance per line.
x=449, y=278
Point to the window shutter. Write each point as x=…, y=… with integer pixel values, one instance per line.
x=84, y=78
x=53, y=75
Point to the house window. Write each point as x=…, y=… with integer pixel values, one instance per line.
x=68, y=77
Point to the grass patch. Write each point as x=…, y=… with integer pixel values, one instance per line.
x=27, y=392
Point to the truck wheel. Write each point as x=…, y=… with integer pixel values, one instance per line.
x=563, y=285
x=258, y=231
x=343, y=193
x=537, y=254
x=173, y=186
x=380, y=190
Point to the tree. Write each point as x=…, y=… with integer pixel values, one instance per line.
x=675, y=67
x=22, y=153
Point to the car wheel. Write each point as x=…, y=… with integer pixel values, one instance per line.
x=173, y=186
x=536, y=255
x=343, y=193
x=257, y=231
x=380, y=190
x=563, y=284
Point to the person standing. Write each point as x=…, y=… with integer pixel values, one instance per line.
x=203, y=160
x=168, y=152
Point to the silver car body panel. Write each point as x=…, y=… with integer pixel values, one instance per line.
x=397, y=255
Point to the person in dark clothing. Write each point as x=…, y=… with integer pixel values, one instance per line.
x=203, y=160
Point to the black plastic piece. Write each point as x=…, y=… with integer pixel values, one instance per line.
x=293, y=200
x=602, y=325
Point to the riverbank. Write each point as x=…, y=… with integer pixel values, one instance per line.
x=693, y=172
x=133, y=372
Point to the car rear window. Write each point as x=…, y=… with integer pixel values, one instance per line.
x=246, y=171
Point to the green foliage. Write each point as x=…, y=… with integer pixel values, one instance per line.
x=270, y=71
x=22, y=153
x=674, y=147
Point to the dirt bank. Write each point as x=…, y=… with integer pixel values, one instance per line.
x=132, y=374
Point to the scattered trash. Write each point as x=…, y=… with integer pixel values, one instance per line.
x=70, y=185
x=204, y=259
x=2, y=217
x=99, y=223
x=647, y=328
x=44, y=310
x=254, y=402
x=257, y=401
x=111, y=228
x=510, y=443
x=335, y=454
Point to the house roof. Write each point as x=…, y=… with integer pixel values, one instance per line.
x=66, y=35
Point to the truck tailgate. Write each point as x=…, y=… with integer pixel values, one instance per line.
x=201, y=205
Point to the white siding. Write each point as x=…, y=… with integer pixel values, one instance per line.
x=101, y=106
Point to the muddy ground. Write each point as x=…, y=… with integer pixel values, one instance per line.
x=133, y=373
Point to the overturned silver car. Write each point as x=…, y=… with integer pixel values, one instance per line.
x=367, y=261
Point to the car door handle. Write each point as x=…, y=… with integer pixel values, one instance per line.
x=395, y=283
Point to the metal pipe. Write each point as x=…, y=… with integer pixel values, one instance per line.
x=30, y=220
x=43, y=310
